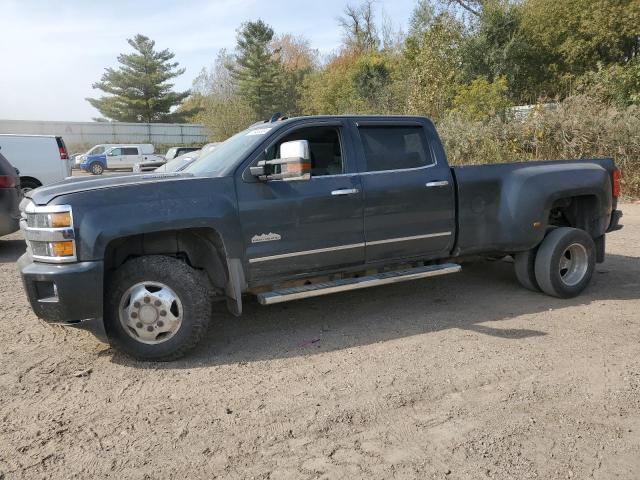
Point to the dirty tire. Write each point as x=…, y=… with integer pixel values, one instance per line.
x=192, y=289
x=96, y=168
x=578, y=264
x=524, y=264
x=28, y=185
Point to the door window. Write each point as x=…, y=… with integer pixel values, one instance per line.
x=324, y=147
x=115, y=151
x=129, y=151
x=395, y=148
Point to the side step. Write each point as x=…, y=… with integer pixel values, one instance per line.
x=325, y=288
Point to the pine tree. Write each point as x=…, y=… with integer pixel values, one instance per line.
x=139, y=90
x=256, y=72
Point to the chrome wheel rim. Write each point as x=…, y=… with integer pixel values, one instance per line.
x=96, y=170
x=150, y=312
x=574, y=263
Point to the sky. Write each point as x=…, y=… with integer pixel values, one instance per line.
x=53, y=50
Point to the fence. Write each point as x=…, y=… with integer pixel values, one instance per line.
x=92, y=133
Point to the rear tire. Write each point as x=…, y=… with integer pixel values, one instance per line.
x=96, y=168
x=565, y=262
x=157, y=308
x=524, y=264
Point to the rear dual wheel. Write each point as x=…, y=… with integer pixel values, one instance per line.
x=562, y=266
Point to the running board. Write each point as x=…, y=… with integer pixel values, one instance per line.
x=325, y=288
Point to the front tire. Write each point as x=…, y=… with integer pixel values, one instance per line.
x=96, y=168
x=157, y=308
x=565, y=262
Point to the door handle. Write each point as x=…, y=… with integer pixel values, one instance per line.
x=442, y=183
x=345, y=191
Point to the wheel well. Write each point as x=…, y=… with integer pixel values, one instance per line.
x=201, y=248
x=31, y=179
x=578, y=212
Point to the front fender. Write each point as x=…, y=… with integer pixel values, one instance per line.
x=101, y=216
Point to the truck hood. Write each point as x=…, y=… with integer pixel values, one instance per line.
x=43, y=195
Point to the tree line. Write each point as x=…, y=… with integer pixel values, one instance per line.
x=472, y=58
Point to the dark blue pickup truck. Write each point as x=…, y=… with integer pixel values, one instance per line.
x=295, y=208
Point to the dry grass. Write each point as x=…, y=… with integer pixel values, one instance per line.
x=579, y=127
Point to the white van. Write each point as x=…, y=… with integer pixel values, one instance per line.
x=41, y=159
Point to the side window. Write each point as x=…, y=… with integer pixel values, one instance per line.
x=129, y=151
x=395, y=148
x=324, y=147
x=116, y=151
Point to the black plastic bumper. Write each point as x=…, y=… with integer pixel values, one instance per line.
x=616, y=215
x=69, y=294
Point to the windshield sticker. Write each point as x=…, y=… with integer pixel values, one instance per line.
x=259, y=131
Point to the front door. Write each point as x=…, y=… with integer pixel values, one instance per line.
x=114, y=158
x=298, y=227
x=409, y=197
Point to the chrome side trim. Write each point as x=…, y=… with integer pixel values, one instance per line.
x=345, y=247
x=423, y=167
x=296, y=293
x=406, y=239
x=305, y=252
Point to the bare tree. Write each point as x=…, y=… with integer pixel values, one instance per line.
x=474, y=7
x=358, y=24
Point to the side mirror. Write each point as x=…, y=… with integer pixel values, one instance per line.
x=294, y=163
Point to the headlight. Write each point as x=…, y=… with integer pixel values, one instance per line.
x=49, y=232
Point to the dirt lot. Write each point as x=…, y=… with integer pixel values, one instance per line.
x=464, y=376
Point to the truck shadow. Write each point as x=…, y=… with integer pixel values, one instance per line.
x=483, y=292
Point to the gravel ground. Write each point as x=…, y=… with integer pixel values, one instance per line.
x=462, y=376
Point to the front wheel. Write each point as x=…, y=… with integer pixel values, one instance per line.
x=96, y=168
x=565, y=262
x=157, y=308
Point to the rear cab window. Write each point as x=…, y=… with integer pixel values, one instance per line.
x=391, y=147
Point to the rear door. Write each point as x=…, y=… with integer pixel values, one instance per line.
x=409, y=203
x=130, y=156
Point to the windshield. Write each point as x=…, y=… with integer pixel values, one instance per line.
x=228, y=153
x=97, y=150
x=178, y=163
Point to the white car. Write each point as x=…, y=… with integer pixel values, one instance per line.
x=41, y=159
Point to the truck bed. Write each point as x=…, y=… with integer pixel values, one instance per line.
x=506, y=207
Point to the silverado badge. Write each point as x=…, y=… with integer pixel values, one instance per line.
x=265, y=237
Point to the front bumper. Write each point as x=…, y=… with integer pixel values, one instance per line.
x=68, y=294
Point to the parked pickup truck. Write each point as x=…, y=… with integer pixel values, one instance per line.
x=120, y=157
x=295, y=208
